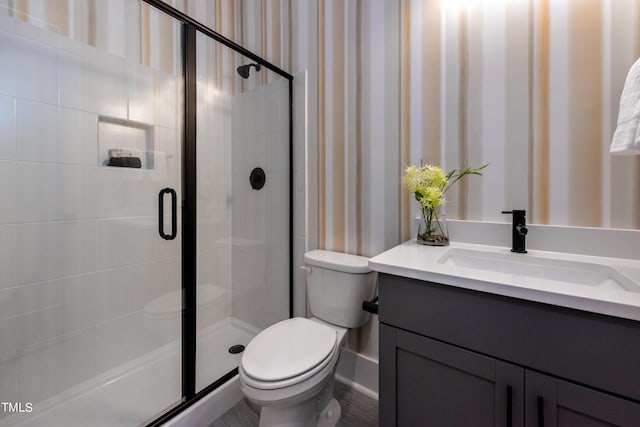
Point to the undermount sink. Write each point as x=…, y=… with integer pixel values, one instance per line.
x=540, y=268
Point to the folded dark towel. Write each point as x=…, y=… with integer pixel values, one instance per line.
x=125, y=162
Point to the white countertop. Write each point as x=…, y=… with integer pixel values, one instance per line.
x=425, y=263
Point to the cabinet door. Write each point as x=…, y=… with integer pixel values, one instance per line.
x=555, y=403
x=424, y=382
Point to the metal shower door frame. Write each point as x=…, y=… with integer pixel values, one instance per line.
x=190, y=28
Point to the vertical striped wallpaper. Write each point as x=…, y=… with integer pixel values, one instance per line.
x=262, y=26
x=531, y=85
x=543, y=36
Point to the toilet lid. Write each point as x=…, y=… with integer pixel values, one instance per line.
x=288, y=349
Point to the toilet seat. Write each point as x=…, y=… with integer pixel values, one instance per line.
x=288, y=353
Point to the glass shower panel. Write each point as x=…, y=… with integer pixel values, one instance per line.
x=243, y=204
x=91, y=95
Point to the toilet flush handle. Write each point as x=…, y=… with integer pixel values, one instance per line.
x=306, y=269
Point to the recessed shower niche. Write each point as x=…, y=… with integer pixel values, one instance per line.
x=127, y=143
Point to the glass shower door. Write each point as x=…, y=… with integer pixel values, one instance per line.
x=242, y=204
x=91, y=102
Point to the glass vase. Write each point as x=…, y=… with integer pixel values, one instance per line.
x=432, y=230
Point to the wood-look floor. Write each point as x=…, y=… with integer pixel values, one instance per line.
x=358, y=410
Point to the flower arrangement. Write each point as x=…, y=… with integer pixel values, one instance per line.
x=429, y=184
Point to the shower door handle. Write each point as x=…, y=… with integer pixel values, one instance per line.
x=174, y=210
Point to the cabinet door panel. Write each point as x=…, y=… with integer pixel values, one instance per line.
x=586, y=407
x=567, y=417
x=387, y=376
x=568, y=405
x=436, y=384
x=509, y=395
x=435, y=394
x=540, y=396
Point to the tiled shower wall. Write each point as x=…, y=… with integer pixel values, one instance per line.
x=213, y=188
x=301, y=192
x=260, y=261
x=243, y=234
x=79, y=251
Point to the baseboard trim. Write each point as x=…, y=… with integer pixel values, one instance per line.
x=211, y=407
x=358, y=371
x=355, y=370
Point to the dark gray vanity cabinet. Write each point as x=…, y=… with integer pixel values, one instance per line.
x=455, y=357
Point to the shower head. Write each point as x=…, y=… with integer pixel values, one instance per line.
x=243, y=70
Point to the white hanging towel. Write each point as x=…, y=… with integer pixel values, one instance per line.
x=626, y=139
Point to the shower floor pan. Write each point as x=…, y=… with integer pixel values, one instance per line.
x=125, y=396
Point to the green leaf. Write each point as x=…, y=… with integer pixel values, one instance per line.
x=450, y=174
x=468, y=171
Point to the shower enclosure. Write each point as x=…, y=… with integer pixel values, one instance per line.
x=145, y=215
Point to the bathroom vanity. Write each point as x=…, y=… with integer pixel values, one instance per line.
x=473, y=335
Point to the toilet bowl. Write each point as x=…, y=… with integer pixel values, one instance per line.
x=295, y=382
x=289, y=368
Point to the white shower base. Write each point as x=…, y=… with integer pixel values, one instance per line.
x=127, y=395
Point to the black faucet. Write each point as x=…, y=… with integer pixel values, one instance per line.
x=519, y=230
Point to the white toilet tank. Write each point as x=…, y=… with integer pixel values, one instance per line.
x=337, y=285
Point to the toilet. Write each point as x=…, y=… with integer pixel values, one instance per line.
x=288, y=369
